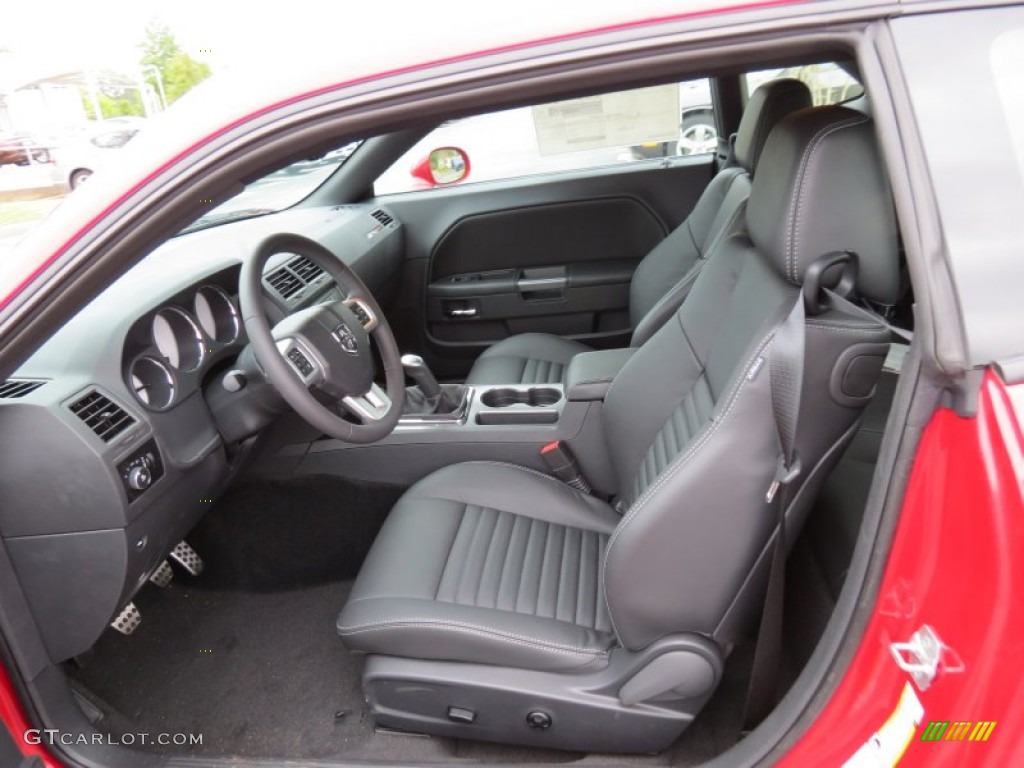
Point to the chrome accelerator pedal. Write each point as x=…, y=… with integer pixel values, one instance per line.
x=187, y=558
x=162, y=576
x=127, y=620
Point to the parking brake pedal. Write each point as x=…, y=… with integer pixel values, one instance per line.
x=162, y=576
x=187, y=558
x=127, y=620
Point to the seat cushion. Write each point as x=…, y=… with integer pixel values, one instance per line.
x=488, y=563
x=529, y=358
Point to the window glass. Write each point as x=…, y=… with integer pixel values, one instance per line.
x=588, y=132
x=829, y=83
x=278, y=190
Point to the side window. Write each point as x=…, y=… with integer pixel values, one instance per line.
x=829, y=83
x=588, y=132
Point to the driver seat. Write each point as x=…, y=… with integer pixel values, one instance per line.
x=499, y=603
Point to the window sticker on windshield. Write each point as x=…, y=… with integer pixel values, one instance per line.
x=609, y=120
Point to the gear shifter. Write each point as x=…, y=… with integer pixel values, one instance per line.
x=417, y=370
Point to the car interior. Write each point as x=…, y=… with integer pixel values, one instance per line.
x=492, y=470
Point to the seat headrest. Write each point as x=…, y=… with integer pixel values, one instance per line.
x=767, y=105
x=821, y=187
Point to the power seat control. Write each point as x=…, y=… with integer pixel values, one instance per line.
x=461, y=715
x=539, y=720
x=140, y=470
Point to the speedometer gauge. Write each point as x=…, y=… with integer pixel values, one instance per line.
x=178, y=338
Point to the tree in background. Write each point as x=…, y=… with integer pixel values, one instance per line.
x=113, y=106
x=180, y=72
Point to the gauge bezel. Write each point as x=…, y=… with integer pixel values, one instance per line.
x=222, y=310
x=165, y=370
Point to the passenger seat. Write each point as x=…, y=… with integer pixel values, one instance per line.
x=665, y=275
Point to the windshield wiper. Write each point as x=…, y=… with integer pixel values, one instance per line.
x=214, y=219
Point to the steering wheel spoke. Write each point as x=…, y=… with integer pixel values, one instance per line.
x=371, y=406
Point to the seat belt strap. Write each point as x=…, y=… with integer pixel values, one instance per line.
x=787, y=373
x=787, y=366
x=840, y=302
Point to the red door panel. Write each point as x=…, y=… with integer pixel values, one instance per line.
x=957, y=565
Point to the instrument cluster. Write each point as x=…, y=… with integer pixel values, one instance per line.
x=170, y=347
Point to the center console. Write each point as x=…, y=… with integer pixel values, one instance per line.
x=501, y=422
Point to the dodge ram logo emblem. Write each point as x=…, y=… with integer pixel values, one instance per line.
x=346, y=339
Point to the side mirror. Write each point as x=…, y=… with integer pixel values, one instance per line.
x=443, y=166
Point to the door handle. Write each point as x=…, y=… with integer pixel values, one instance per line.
x=462, y=312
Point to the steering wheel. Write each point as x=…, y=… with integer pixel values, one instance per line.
x=325, y=349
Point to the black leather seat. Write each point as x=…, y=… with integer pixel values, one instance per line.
x=666, y=274
x=495, y=593
x=505, y=569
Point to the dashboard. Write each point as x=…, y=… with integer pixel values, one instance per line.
x=117, y=433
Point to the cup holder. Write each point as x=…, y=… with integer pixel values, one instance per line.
x=534, y=396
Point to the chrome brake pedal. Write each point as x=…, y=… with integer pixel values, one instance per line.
x=162, y=576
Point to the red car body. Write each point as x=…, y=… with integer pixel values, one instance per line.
x=956, y=561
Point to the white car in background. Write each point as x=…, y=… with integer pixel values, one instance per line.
x=78, y=158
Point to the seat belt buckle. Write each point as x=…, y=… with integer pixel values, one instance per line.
x=563, y=465
x=784, y=475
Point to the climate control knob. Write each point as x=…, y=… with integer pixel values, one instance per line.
x=139, y=478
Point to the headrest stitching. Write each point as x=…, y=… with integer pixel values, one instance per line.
x=796, y=198
x=800, y=198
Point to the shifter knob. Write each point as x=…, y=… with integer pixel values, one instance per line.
x=417, y=370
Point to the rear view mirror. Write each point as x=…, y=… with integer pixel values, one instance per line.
x=443, y=166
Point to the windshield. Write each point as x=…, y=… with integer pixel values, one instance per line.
x=278, y=190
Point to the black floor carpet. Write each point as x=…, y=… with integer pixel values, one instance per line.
x=270, y=534
x=257, y=674
x=247, y=655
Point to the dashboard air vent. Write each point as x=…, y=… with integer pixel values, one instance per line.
x=284, y=282
x=13, y=388
x=102, y=416
x=305, y=269
x=382, y=216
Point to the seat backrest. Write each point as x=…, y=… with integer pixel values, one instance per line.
x=690, y=416
x=666, y=274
